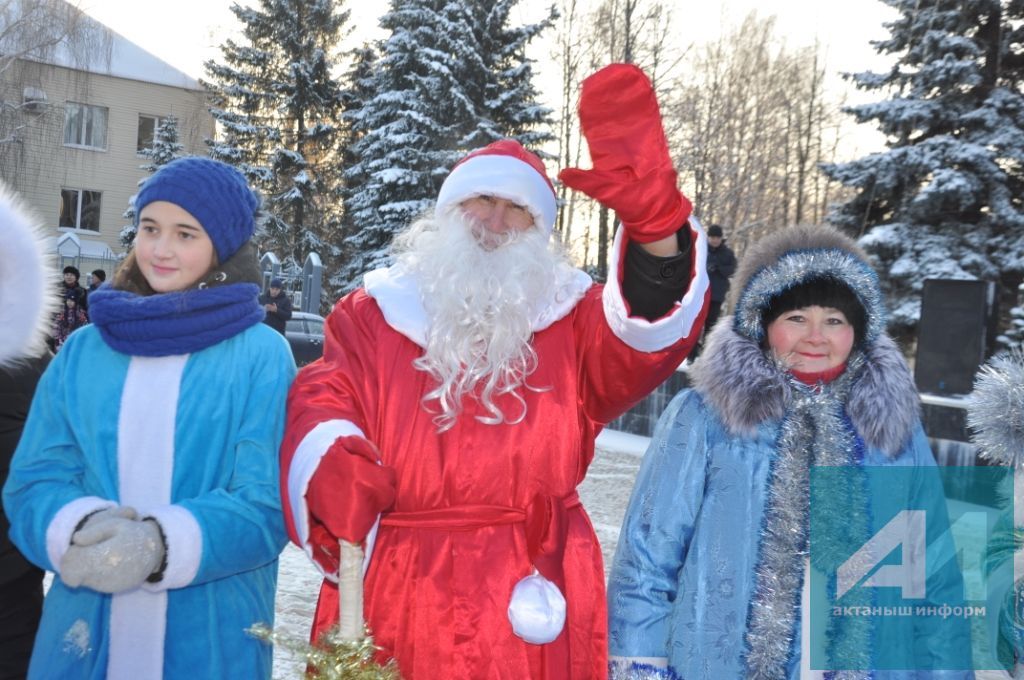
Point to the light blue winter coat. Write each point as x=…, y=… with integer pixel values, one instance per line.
x=204, y=431
x=710, y=566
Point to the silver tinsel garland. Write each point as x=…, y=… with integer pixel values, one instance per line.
x=813, y=433
x=995, y=410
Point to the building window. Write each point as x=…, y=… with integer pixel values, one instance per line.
x=85, y=125
x=80, y=209
x=148, y=126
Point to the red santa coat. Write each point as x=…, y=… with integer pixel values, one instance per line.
x=472, y=501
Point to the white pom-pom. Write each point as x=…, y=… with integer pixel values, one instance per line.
x=996, y=409
x=536, y=610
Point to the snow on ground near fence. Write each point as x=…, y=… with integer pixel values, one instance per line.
x=605, y=493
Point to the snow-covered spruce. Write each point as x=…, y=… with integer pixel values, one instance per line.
x=445, y=81
x=278, y=111
x=943, y=201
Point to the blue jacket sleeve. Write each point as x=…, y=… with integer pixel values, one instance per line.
x=46, y=491
x=656, y=532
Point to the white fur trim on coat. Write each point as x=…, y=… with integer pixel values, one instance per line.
x=184, y=545
x=652, y=336
x=503, y=177
x=304, y=464
x=27, y=282
x=145, y=467
x=398, y=295
x=62, y=526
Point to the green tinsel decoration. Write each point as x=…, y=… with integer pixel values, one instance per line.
x=332, y=658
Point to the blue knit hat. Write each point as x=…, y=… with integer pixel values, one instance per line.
x=214, y=193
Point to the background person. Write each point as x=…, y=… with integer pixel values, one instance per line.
x=71, y=289
x=721, y=266
x=277, y=305
x=161, y=518
x=26, y=306
x=69, y=319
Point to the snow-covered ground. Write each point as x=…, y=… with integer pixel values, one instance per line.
x=605, y=493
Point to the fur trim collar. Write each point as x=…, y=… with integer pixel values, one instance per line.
x=398, y=295
x=28, y=283
x=746, y=388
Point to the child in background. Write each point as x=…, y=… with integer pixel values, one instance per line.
x=70, y=318
x=147, y=476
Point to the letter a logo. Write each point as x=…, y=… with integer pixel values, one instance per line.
x=906, y=529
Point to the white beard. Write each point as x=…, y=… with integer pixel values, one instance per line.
x=481, y=301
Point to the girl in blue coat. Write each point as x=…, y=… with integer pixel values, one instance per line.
x=146, y=478
x=710, y=578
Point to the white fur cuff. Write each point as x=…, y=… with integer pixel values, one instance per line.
x=304, y=464
x=653, y=336
x=184, y=546
x=63, y=524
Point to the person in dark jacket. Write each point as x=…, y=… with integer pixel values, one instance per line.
x=27, y=304
x=277, y=304
x=73, y=290
x=21, y=583
x=99, y=277
x=721, y=266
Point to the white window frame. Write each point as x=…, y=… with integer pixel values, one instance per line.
x=157, y=120
x=77, y=226
x=93, y=122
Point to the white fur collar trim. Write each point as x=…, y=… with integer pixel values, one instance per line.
x=398, y=294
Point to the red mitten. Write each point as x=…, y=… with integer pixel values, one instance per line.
x=633, y=172
x=350, y=488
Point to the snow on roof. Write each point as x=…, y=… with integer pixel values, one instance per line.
x=107, y=52
x=69, y=244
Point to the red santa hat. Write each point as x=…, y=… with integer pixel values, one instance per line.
x=506, y=170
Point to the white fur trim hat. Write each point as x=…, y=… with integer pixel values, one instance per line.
x=506, y=170
x=27, y=282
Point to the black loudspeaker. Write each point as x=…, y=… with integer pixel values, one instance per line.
x=955, y=335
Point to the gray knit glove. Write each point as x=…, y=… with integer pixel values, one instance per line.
x=113, y=555
x=101, y=516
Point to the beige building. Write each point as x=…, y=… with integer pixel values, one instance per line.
x=74, y=126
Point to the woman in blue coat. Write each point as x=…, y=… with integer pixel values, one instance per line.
x=710, y=578
x=146, y=477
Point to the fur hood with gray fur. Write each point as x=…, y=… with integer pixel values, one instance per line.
x=28, y=281
x=747, y=387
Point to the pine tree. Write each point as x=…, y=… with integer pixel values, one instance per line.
x=166, y=147
x=509, y=98
x=279, y=108
x=945, y=199
x=437, y=92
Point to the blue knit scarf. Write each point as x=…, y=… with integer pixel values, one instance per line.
x=173, y=323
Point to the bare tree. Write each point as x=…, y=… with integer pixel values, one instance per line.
x=752, y=118
x=632, y=31
x=34, y=33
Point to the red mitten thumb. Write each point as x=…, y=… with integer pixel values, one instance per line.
x=350, y=488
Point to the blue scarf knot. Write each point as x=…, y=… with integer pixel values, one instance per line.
x=173, y=323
